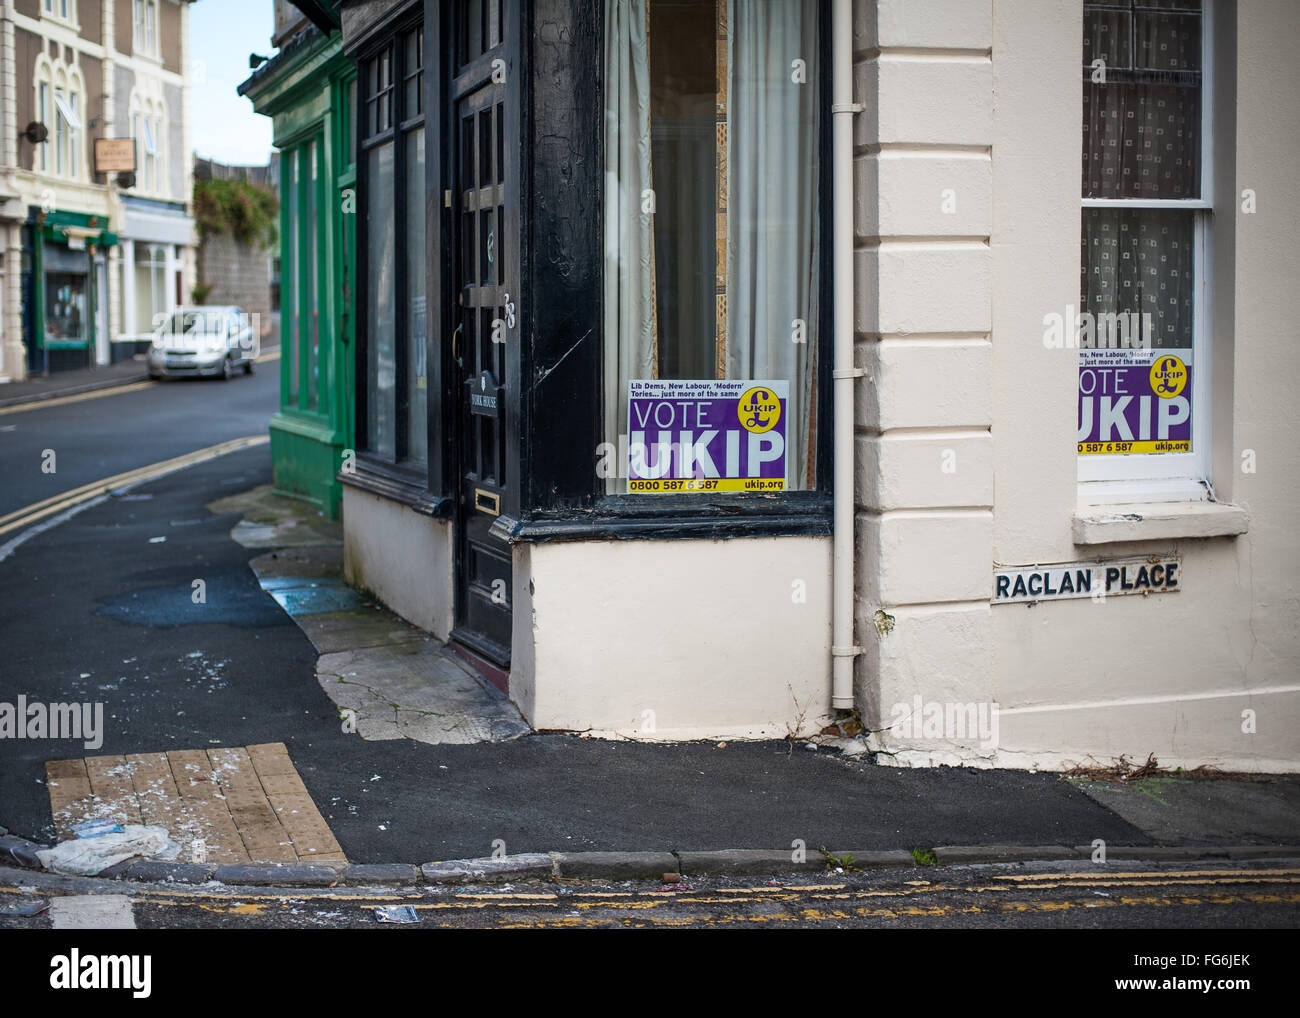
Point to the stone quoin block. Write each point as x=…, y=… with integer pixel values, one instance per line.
x=925, y=383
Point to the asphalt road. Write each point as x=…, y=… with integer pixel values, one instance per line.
x=1211, y=896
x=97, y=436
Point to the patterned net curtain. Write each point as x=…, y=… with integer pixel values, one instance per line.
x=1141, y=140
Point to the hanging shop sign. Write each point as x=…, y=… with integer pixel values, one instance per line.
x=1135, y=401
x=1097, y=580
x=114, y=155
x=706, y=435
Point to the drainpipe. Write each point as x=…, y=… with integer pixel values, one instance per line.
x=843, y=648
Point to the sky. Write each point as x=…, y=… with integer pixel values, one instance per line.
x=223, y=125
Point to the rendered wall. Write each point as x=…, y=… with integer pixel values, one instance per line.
x=665, y=640
x=401, y=556
x=1167, y=674
x=923, y=264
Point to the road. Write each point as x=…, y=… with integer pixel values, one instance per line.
x=1030, y=896
x=95, y=435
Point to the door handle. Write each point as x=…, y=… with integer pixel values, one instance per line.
x=455, y=345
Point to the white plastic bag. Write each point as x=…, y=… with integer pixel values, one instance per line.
x=84, y=857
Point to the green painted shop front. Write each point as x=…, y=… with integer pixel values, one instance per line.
x=64, y=294
x=309, y=91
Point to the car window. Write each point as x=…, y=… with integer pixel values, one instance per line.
x=195, y=323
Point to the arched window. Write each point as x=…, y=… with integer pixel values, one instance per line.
x=148, y=127
x=60, y=101
x=44, y=110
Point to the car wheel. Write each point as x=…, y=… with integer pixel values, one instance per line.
x=227, y=370
x=248, y=366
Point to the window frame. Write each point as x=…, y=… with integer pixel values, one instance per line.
x=145, y=32
x=148, y=133
x=1164, y=477
x=798, y=510
x=58, y=87
x=44, y=105
x=63, y=12
x=402, y=476
x=557, y=104
x=302, y=254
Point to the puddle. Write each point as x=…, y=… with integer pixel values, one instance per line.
x=316, y=599
x=228, y=603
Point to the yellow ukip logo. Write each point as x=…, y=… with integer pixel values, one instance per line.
x=758, y=410
x=1168, y=376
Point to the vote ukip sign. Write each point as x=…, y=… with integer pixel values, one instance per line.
x=706, y=435
x=1135, y=401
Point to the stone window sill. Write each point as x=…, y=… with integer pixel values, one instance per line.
x=1109, y=524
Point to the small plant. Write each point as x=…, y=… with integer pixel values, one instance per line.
x=924, y=857
x=838, y=862
x=202, y=291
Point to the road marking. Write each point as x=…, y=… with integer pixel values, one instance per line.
x=9, y=547
x=652, y=908
x=92, y=912
x=76, y=397
x=270, y=355
x=68, y=499
x=1137, y=874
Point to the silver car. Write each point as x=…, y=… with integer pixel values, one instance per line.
x=205, y=341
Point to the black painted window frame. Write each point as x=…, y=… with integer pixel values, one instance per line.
x=398, y=478
x=562, y=498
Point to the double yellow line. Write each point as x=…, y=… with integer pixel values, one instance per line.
x=69, y=499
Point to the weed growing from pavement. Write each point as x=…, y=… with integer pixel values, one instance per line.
x=924, y=857
x=838, y=862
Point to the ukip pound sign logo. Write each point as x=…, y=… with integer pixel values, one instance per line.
x=758, y=410
x=1168, y=376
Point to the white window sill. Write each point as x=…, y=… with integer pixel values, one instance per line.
x=1108, y=524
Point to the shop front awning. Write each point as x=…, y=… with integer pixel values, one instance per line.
x=157, y=222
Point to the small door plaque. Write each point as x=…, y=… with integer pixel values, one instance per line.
x=484, y=396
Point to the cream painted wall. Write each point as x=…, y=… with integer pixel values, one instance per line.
x=402, y=557
x=923, y=215
x=715, y=639
x=1171, y=674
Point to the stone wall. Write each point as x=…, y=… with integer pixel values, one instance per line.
x=240, y=274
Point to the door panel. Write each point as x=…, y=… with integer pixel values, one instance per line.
x=483, y=316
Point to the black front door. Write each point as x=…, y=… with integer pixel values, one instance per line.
x=484, y=328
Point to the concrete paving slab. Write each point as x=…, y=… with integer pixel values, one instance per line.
x=417, y=690
x=1174, y=811
x=276, y=521
x=331, y=632
x=92, y=912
